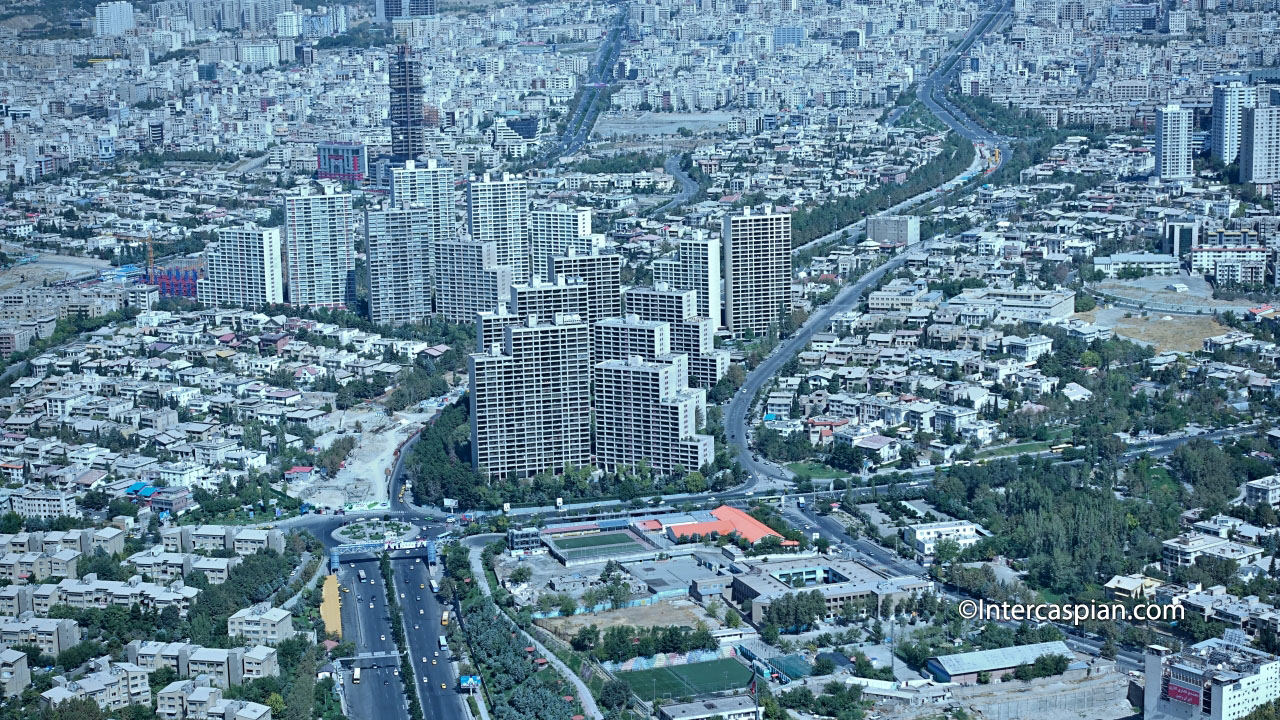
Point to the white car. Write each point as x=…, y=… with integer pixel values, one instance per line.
x=384, y=637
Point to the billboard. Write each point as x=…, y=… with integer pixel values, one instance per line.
x=469, y=682
x=1187, y=695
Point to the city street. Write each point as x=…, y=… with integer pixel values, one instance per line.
x=365, y=622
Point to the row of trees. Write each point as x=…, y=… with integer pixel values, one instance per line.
x=623, y=642
x=517, y=691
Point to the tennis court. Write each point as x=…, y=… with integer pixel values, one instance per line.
x=688, y=680
x=589, y=541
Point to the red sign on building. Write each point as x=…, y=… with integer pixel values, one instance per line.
x=1190, y=696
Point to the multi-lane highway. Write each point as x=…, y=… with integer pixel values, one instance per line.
x=366, y=622
x=432, y=667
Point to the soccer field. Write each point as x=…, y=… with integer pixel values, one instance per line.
x=589, y=541
x=688, y=680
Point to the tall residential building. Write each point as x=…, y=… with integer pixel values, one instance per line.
x=243, y=268
x=113, y=19
x=498, y=211
x=408, y=103
x=468, y=279
x=548, y=299
x=556, y=231
x=388, y=10
x=757, y=269
x=1173, y=142
x=1217, y=679
x=489, y=325
x=319, y=247
x=696, y=265
x=691, y=334
x=399, y=258
x=602, y=273
x=1260, y=146
x=530, y=399
x=429, y=185
x=619, y=338
x=645, y=412
x=1229, y=102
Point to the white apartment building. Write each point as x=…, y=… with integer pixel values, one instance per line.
x=498, y=212
x=1263, y=490
x=696, y=266
x=319, y=245
x=51, y=635
x=602, y=273
x=530, y=398
x=757, y=269
x=1260, y=146
x=243, y=269
x=111, y=685
x=1218, y=679
x=429, y=185
x=288, y=25
x=548, y=299
x=261, y=624
x=894, y=229
x=622, y=337
x=1229, y=102
x=557, y=231
x=1230, y=264
x=1173, y=142
x=1183, y=550
x=36, y=502
x=113, y=19
x=400, y=251
x=469, y=279
x=1151, y=263
x=924, y=537
x=691, y=334
x=645, y=411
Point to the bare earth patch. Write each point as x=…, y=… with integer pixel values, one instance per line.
x=1183, y=333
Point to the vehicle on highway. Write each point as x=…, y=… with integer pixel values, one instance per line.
x=355, y=676
x=384, y=637
x=444, y=617
x=444, y=686
x=401, y=596
x=362, y=576
x=370, y=606
x=419, y=611
x=435, y=586
x=433, y=661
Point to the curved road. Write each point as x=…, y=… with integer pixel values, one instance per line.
x=688, y=188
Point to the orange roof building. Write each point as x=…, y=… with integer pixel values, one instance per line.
x=728, y=520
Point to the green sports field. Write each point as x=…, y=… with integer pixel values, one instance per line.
x=688, y=680
x=588, y=541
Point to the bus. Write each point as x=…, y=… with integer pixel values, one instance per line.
x=444, y=617
x=355, y=676
x=362, y=576
x=435, y=586
x=443, y=645
x=1060, y=448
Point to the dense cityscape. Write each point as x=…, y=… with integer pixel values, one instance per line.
x=627, y=359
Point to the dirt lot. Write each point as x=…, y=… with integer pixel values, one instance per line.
x=51, y=269
x=1164, y=332
x=675, y=612
x=1156, y=289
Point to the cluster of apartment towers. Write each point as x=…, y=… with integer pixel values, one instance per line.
x=556, y=350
